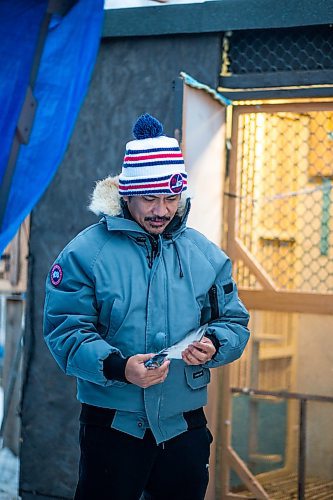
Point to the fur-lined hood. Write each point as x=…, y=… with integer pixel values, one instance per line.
x=105, y=198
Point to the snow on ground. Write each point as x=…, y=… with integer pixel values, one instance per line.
x=9, y=468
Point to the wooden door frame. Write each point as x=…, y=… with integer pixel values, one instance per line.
x=270, y=297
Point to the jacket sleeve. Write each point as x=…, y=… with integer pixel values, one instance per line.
x=71, y=320
x=228, y=318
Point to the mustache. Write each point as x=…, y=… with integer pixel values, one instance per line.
x=157, y=219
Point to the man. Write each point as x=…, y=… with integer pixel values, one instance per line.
x=124, y=289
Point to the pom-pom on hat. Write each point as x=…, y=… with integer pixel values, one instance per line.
x=153, y=162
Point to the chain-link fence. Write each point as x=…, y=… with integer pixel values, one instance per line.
x=285, y=171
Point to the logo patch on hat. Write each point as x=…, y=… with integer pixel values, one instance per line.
x=176, y=183
x=56, y=275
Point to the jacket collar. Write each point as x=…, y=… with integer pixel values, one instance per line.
x=106, y=202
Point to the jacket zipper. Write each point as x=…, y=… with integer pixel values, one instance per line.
x=153, y=251
x=214, y=304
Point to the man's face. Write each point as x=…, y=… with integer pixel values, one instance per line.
x=153, y=212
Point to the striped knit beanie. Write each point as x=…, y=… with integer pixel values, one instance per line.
x=153, y=162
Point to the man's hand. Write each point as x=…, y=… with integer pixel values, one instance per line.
x=199, y=353
x=138, y=374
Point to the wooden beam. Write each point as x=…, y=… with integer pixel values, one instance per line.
x=246, y=475
x=15, y=279
x=254, y=266
x=313, y=91
x=269, y=300
x=226, y=416
x=278, y=79
x=234, y=496
x=12, y=376
x=282, y=394
x=276, y=353
x=212, y=415
x=293, y=107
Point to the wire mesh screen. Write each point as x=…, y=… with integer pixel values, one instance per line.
x=285, y=209
x=294, y=49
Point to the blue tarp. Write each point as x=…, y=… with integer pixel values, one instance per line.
x=19, y=28
x=63, y=78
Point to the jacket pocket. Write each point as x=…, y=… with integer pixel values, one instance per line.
x=197, y=376
x=115, y=320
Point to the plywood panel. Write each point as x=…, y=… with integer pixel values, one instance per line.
x=204, y=151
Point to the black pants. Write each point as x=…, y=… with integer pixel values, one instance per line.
x=117, y=466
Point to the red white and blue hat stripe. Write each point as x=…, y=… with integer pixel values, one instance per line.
x=153, y=163
x=168, y=184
